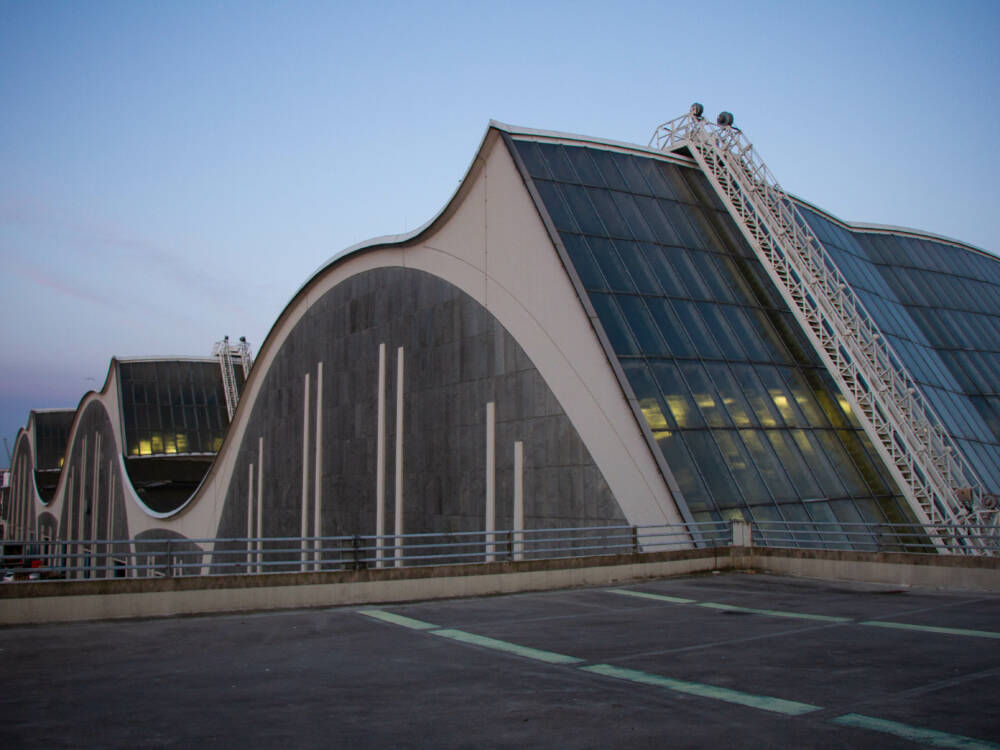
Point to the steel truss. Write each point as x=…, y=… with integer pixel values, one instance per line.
x=226, y=353
x=940, y=485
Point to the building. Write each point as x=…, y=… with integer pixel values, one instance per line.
x=590, y=333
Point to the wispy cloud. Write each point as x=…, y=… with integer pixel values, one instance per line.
x=56, y=282
x=112, y=245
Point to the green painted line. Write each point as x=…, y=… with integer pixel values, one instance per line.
x=657, y=597
x=406, y=622
x=775, y=612
x=933, y=629
x=763, y=702
x=510, y=648
x=914, y=734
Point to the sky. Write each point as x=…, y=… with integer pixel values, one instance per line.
x=173, y=172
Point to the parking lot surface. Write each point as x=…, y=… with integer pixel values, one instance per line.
x=732, y=660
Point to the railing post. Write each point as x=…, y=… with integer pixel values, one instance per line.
x=742, y=534
x=358, y=563
x=510, y=545
x=170, y=559
x=635, y=540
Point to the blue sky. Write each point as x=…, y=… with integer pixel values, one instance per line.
x=173, y=172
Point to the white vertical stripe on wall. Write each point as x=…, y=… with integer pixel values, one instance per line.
x=399, y=458
x=95, y=503
x=318, y=466
x=250, y=515
x=380, y=460
x=518, y=500
x=260, y=503
x=491, y=480
x=305, y=469
x=81, y=505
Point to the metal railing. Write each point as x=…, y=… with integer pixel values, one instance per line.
x=75, y=559
x=61, y=560
x=955, y=539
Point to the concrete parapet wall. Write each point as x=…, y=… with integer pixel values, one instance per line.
x=67, y=601
x=924, y=571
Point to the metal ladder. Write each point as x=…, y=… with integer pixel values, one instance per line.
x=224, y=351
x=941, y=486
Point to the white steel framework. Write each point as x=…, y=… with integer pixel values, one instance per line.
x=940, y=485
x=226, y=353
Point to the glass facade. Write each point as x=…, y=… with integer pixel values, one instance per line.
x=173, y=407
x=939, y=307
x=51, y=436
x=740, y=406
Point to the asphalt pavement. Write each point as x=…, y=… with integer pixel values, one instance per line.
x=734, y=660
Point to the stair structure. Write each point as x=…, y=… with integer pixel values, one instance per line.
x=226, y=353
x=940, y=485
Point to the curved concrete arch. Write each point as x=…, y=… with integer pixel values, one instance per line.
x=481, y=243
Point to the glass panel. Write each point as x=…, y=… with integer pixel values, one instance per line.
x=655, y=180
x=657, y=416
x=613, y=324
x=678, y=220
x=670, y=327
x=696, y=329
x=683, y=468
x=768, y=336
x=583, y=261
x=842, y=463
x=714, y=318
x=612, y=219
x=745, y=334
x=705, y=395
x=757, y=395
x=713, y=469
x=583, y=211
x=732, y=395
x=718, y=288
x=606, y=164
x=584, y=166
x=635, y=262
x=818, y=463
x=533, y=159
x=803, y=395
x=666, y=274
x=633, y=177
x=555, y=206
x=639, y=320
x=611, y=265
x=660, y=227
x=780, y=397
x=677, y=395
x=768, y=465
x=630, y=210
x=558, y=163
x=743, y=470
x=789, y=456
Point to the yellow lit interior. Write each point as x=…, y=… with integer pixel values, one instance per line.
x=145, y=449
x=678, y=407
x=654, y=415
x=844, y=406
x=157, y=443
x=182, y=442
